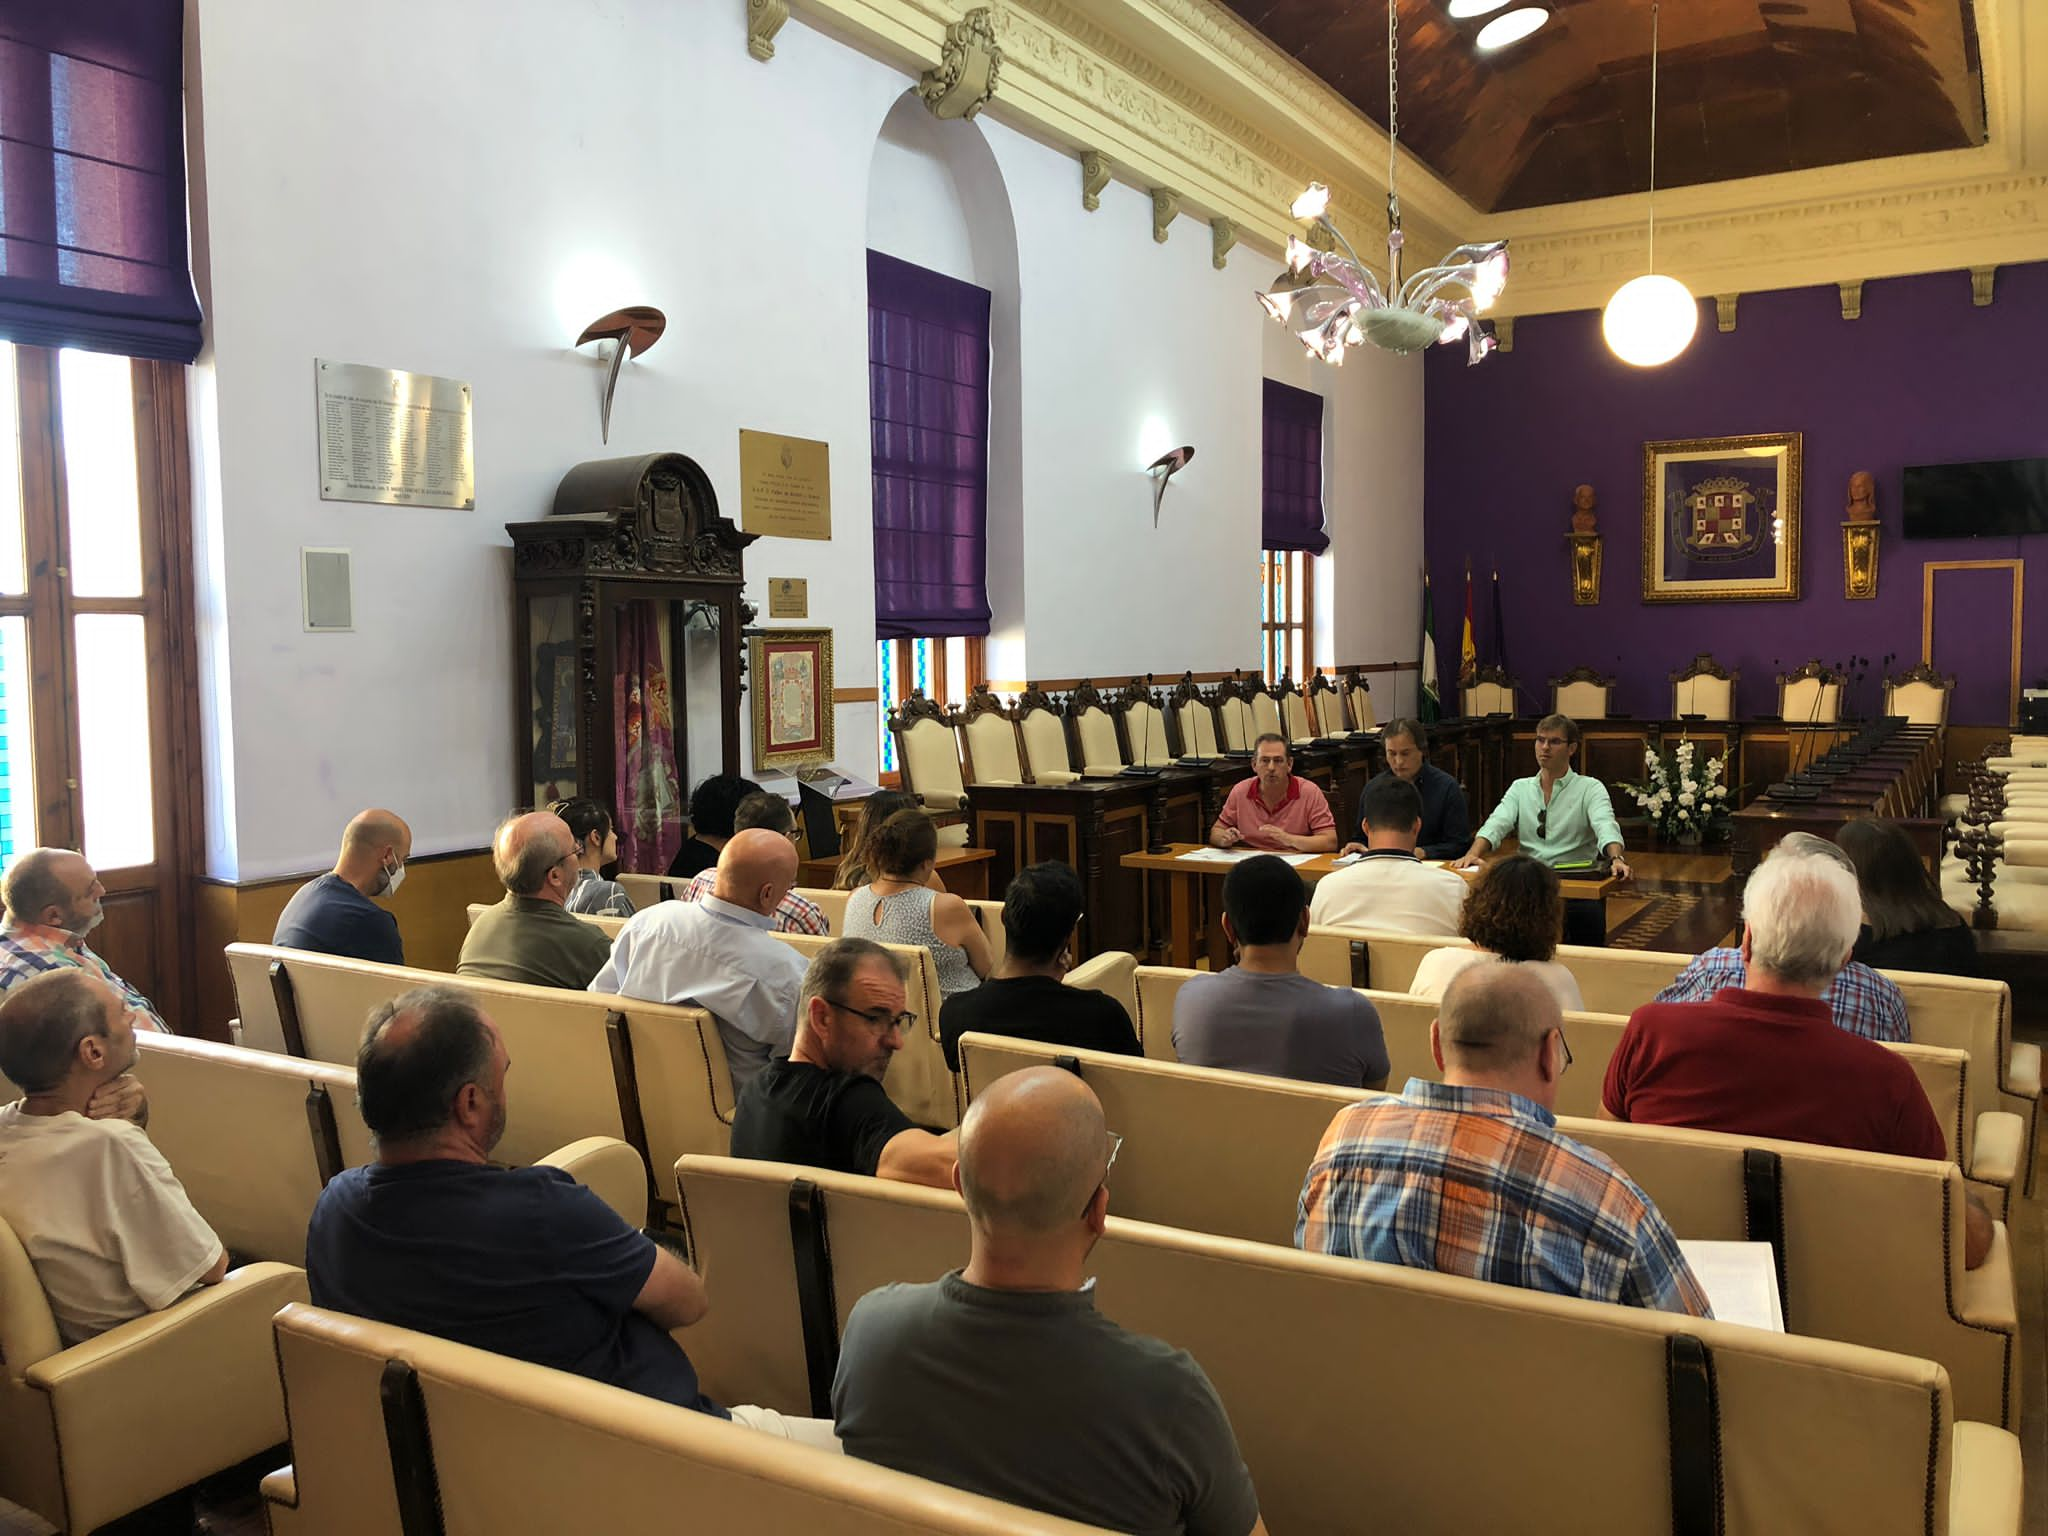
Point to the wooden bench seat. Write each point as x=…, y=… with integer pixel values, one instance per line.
x=388, y=1423
x=1870, y=1247
x=1986, y=1146
x=1594, y=1419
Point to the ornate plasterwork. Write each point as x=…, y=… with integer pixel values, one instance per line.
x=1724, y=310
x=1222, y=236
x=1165, y=208
x=1094, y=177
x=1852, y=299
x=1983, y=283
x=764, y=20
x=964, y=79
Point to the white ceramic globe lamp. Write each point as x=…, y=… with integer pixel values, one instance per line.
x=1650, y=320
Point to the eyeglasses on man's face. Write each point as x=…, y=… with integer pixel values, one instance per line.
x=1566, y=1046
x=880, y=1020
x=1116, y=1145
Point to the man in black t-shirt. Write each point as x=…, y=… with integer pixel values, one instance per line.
x=823, y=1105
x=1025, y=997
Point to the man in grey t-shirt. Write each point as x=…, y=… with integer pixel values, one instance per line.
x=1003, y=1379
x=1262, y=1014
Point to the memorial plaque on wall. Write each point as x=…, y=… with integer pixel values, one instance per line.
x=401, y=439
x=785, y=486
x=789, y=597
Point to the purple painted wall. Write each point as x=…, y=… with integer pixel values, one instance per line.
x=1924, y=377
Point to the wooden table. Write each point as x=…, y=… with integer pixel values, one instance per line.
x=1194, y=887
x=964, y=871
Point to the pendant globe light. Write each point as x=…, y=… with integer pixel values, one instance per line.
x=1650, y=319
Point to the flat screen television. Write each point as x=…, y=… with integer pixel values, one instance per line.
x=2001, y=498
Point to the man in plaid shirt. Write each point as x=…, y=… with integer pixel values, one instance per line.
x=1472, y=1177
x=794, y=914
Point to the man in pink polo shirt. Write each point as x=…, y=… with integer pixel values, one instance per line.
x=1273, y=809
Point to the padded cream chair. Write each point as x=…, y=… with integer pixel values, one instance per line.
x=1358, y=701
x=1196, y=717
x=1648, y=1421
x=1265, y=709
x=645, y=890
x=1583, y=694
x=1491, y=692
x=1297, y=721
x=1811, y=695
x=97, y=1430
x=1921, y=694
x=988, y=740
x=1326, y=704
x=1044, y=736
x=1704, y=688
x=1094, y=734
x=1235, y=726
x=929, y=755
x=1141, y=724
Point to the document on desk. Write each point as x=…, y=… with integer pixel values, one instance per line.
x=1237, y=856
x=1740, y=1279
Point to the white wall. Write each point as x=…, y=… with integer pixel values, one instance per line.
x=456, y=188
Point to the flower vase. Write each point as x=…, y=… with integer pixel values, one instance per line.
x=1690, y=838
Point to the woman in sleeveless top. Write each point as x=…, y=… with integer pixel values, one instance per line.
x=898, y=906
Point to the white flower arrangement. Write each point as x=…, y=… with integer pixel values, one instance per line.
x=1681, y=795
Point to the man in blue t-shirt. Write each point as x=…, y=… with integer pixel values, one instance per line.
x=334, y=914
x=524, y=1262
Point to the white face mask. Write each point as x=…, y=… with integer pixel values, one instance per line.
x=392, y=879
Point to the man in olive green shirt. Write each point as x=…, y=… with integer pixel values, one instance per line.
x=1557, y=816
x=531, y=936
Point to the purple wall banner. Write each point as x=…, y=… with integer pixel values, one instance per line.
x=1924, y=377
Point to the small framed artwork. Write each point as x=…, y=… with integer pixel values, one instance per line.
x=792, y=685
x=1721, y=519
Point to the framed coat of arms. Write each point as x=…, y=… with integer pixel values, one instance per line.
x=791, y=680
x=1721, y=519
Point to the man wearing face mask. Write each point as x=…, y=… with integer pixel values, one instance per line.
x=334, y=914
x=53, y=902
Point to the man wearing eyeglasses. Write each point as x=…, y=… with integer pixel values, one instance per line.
x=823, y=1105
x=1557, y=816
x=1471, y=1176
x=532, y=936
x=1004, y=1379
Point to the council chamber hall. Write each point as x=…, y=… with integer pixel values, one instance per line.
x=1212, y=766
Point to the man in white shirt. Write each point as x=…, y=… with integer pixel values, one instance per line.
x=1389, y=889
x=720, y=955
x=106, y=1224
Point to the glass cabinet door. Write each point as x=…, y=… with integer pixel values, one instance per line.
x=553, y=697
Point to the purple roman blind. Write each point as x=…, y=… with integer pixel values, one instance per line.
x=928, y=400
x=92, y=178
x=1293, y=474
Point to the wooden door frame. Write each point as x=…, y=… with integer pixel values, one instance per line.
x=2018, y=569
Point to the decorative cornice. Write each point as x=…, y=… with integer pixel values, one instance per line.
x=1222, y=236
x=1094, y=177
x=1165, y=208
x=764, y=20
x=1724, y=310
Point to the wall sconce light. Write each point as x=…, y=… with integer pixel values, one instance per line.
x=1163, y=469
x=633, y=330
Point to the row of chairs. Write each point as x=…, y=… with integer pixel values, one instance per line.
x=1995, y=871
x=1705, y=688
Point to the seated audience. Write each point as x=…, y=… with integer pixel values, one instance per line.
x=823, y=1105
x=1513, y=913
x=853, y=860
x=1389, y=888
x=334, y=915
x=52, y=898
x=1446, y=821
x=1262, y=1014
x=712, y=803
x=719, y=954
x=769, y=811
x=899, y=906
x=1273, y=809
x=523, y=1262
x=1860, y=1001
x=107, y=1226
x=597, y=850
x=1002, y=1378
x=1024, y=997
x=1906, y=924
x=532, y=936
x=1472, y=1177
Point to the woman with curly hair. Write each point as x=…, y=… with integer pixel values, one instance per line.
x=853, y=861
x=1512, y=916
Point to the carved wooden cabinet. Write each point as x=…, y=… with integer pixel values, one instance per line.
x=633, y=562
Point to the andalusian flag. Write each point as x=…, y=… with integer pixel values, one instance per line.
x=1468, y=653
x=1429, y=706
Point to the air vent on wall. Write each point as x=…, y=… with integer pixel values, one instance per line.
x=324, y=583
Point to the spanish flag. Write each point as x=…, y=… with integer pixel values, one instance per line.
x=1468, y=653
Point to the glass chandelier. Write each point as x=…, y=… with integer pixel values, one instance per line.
x=1333, y=301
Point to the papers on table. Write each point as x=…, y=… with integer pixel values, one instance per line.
x=1343, y=859
x=1740, y=1279
x=1238, y=855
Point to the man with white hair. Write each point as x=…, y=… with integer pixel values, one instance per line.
x=1764, y=1058
x=1860, y=1000
x=1002, y=1378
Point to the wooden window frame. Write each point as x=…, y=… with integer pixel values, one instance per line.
x=943, y=688
x=1282, y=571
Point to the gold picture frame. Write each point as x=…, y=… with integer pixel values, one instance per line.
x=1721, y=519
x=790, y=671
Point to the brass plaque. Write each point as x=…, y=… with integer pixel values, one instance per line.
x=785, y=486
x=789, y=597
x=402, y=439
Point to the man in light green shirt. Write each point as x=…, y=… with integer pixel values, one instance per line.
x=1557, y=816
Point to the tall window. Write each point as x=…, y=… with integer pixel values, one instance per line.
x=95, y=636
x=928, y=361
x=1287, y=582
